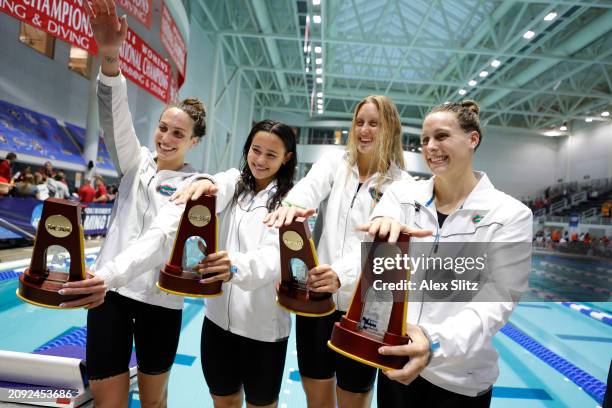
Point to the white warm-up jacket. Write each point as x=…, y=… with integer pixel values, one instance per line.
x=248, y=305
x=331, y=179
x=143, y=222
x=464, y=359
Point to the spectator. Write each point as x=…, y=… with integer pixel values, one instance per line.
x=57, y=186
x=91, y=172
x=47, y=170
x=556, y=235
x=41, y=186
x=101, y=195
x=6, y=167
x=27, y=187
x=111, y=193
x=87, y=193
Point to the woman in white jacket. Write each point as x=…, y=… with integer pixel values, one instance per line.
x=139, y=236
x=245, y=333
x=452, y=359
x=345, y=186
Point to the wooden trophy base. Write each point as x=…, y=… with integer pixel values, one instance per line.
x=304, y=303
x=178, y=282
x=44, y=291
x=362, y=346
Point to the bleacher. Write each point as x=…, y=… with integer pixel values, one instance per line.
x=37, y=138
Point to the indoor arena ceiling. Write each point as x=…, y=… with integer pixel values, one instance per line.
x=296, y=54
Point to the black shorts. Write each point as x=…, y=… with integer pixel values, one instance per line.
x=111, y=328
x=230, y=361
x=316, y=360
x=421, y=392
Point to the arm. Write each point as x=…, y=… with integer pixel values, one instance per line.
x=115, y=117
x=259, y=267
x=463, y=335
x=317, y=184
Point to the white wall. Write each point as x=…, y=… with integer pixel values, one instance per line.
x=588, y=151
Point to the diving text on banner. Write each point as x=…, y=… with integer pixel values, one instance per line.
x=64, y=19
x=144, y=66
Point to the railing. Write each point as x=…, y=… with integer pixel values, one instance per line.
x=558, y=206
x=579, y=198
x=539, y=213
x=595, y=220
x=591, y=212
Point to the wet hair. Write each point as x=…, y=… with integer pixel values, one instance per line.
x=194, y=108
x=11, y=156
x=284, y=175
x=466, y=113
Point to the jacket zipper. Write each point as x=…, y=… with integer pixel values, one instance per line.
x=148, y=205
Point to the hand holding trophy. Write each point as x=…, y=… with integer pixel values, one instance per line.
x=59, y=234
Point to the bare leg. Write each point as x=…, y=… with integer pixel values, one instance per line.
x=320, y=393
x=153, y=390
x=111, y=392
x=347, y=399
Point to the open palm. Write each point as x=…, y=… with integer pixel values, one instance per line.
x=108, y=30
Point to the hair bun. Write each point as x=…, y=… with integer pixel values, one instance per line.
x=194, y=103
x=471, y=105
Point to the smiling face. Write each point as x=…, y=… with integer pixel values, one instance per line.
x=367, y=123
x=266, y=155
x=447, y=148
x=174, y=136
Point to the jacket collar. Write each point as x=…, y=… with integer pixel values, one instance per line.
x=479, y=199
x=393, y=173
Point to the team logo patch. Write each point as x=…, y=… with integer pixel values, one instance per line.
x=476, y=219
x=376, y=195
x=166, y=190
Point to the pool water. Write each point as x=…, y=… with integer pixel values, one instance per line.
x=551, y=354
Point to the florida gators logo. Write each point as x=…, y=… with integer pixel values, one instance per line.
x=476, y=219
x=166, y=190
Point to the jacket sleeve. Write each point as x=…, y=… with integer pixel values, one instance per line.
x=390, y=205
x=116, y=122
x=148, y=252
x=317, y=184
x=509, y=259
x=225, y=182
x=258, y=267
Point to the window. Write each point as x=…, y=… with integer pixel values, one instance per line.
x=80, y=61
x=37, y=39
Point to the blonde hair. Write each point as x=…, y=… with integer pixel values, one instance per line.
x=387, y=144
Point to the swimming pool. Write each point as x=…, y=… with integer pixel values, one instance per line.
x=551, y=354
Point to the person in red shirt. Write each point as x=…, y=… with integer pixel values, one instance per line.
x=87, y=193
x=6, y=167
x=101, y=196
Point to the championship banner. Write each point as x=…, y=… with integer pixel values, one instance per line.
x=63, y=19
x=174, y=90
x=141, y=10
x=95, y=218
x=144, y=66
x=173, y=42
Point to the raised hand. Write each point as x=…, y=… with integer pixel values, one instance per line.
x=109, y=30
x=286, y=215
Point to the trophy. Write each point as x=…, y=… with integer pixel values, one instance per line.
x=376, y=319
x=298, y=256
x=59, y=237
x=196, y=237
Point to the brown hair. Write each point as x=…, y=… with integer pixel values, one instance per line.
x=466, y=113
x=196, y=111
x=388, y=143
